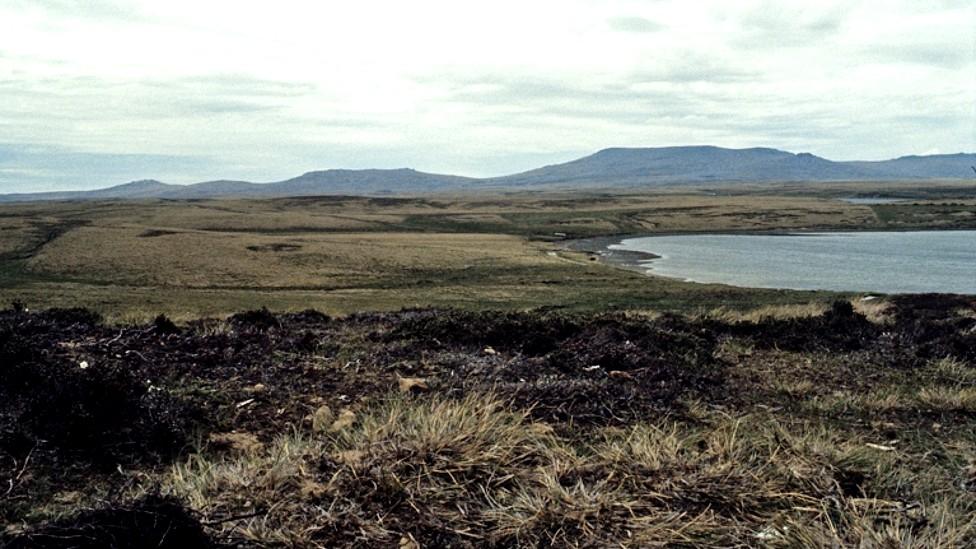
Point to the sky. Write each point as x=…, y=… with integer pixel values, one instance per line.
x=101, y=92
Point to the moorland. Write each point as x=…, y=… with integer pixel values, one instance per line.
x=132, y=260
x=449, y=371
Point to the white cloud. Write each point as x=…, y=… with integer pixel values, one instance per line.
x=263, y=91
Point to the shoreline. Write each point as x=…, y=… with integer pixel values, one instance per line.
x=598, y=248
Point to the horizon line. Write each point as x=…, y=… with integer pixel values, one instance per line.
x=481, y=178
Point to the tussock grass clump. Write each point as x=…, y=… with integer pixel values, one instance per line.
x=415, y=467
x=766, y=312
x=877, y=523
x=943, y=387
x=953, y=371
x=473, y=473
x=879, y=311
x=949, y=399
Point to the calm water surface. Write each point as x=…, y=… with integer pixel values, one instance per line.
x=888, y=262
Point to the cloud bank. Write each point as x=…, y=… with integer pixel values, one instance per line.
x=107, y=91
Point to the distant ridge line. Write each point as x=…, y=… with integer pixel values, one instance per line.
x=617, y=167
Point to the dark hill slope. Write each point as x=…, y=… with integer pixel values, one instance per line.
x=942, y=166
x=689, y=165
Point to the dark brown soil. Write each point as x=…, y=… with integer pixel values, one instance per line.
x=153, y=233
x=926, y=321
x=839, y=329
x=602, y=370
x=276, y=247
x=153, y=521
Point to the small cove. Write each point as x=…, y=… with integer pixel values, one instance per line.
x=884, y=262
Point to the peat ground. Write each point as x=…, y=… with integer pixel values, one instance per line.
x=429, y=428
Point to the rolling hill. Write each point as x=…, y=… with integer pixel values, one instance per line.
x=615, y=167
x=689, y=165
x=367, y=182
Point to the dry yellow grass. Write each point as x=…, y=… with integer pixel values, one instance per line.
x=879, y=311
x=475, y=471
x=873, y=402
x=251, y=217
x=342, y=254
x=14, y=233
x=133, y=260
x=750, y=213
x=657, y=211
x=780, y=312
x=948, y=399
x=207, y=259
x=954, y=372
x=932, y=398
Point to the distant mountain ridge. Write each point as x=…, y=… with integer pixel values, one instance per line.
x=312, y=183
x=691, y=165
x=608, y=168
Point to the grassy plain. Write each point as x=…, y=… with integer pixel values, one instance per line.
x=132, y=260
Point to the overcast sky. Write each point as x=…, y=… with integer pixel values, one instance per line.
x=101, y=92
